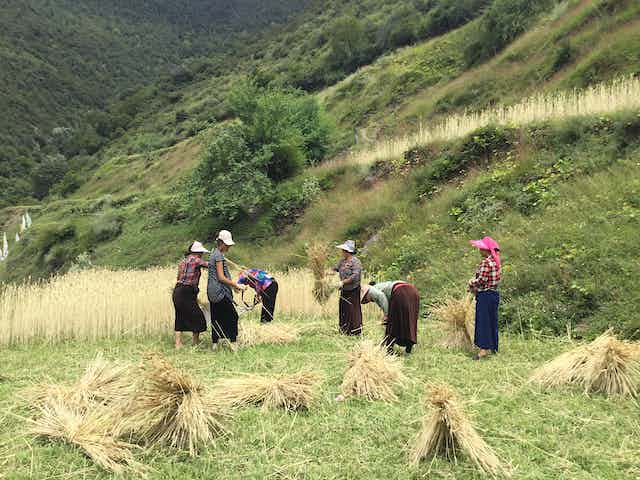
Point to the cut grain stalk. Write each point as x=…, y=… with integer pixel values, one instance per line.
x=372, y=372
x=170, y=408
x=606, y=365
x=447, y=431
x=458, y=315
x=288, y=391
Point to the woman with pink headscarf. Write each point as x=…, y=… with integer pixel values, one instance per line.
x=485, y=286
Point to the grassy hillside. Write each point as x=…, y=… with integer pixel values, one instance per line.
x=417, y=211
x=63, y=59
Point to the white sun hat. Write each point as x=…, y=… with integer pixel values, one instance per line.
x=197, y=247
x=348, y=246
x=225, y=236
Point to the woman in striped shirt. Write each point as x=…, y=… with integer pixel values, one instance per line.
x=189, y=315
x=485, y=286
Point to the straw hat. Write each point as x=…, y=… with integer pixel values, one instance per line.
x=225, y=236
x=197, y=247
x=348, y=246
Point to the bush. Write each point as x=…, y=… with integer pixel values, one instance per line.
x=230, y=179
x=348, y=44
x=503, y=21
x=105, y=227
x=49, y=172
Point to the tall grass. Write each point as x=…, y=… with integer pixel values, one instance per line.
x=620, y=94
x=102, y=303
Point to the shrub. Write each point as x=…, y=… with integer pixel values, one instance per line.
x=503, y=21
x=105, y=227
x=49, y=172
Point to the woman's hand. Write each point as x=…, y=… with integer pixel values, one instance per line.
x=385, y=320
x=339, y=285
x=240, y=287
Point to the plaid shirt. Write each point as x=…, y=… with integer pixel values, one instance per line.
x=189, y=270
x=487, y=276
x=259, y=280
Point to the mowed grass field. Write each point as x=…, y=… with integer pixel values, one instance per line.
x=559, y=435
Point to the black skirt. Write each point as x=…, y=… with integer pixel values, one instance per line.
x=189, y=316
x=269, y=302
x=224, y=320
x=350, y=312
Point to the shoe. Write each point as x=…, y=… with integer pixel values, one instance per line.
x=480, y=357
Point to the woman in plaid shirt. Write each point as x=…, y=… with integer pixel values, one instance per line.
x=485, y=286
x=189, y=315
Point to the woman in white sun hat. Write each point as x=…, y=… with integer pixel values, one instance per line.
x=350, y=270
x=224, y=318
x=189, y=316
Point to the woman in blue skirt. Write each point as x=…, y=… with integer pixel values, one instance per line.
x=485, y=286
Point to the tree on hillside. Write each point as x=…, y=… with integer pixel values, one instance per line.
x=347, y=43
x=47, y=173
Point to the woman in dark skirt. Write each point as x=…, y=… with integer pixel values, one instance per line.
x=266, y=289
x=400, y=302
x=485, y=286
x=350, y=270
x=189, y=315
x=224, y=318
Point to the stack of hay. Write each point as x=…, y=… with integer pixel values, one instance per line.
x=87, y=416
x=112, y=405
x=288, y=391
x=318, y=259
x=606, y=365
x=271, y=333
x=459, y=315
x=372, y=372
x=448, y=431
x=170, y=408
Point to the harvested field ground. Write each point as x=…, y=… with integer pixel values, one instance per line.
x=562, y=434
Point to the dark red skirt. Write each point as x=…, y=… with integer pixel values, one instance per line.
x=402, y=324
x=350, y=312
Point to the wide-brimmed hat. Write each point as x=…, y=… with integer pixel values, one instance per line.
x=487, y=243
x=197, y=247
x=348, y=246
x=225, y=236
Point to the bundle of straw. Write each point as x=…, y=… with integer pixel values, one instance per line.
x=289, y=391
x=102, y=382
x=372, y=372
x=170, y=408
x=94, y=431
x=448, y=430
x=606, y=365
x=270, y=333
x=459, y=315
x=318, y=258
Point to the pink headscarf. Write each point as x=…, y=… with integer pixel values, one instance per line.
x=488, y=243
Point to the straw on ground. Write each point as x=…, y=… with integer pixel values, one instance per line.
x=172, y=409
x=372, y=372
x=288, y=391
x=447, y=431
x=606, y=365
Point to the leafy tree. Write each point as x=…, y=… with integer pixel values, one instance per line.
x=503, y=22
x=49, y=172
x=347, y=43
x=229, y=180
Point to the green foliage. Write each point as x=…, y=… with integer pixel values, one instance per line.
x=229, y=180
x=106, y=226
x=347, y=44
x=49, y=172
x=503, y=21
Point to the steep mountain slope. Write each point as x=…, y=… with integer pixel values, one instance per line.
x=417, y=211
x=60, y=59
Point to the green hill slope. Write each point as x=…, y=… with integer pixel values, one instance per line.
x=519, y=183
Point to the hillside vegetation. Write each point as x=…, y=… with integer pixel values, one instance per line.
x=139, y=202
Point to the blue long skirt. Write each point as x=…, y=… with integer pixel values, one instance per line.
x=486, y=334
